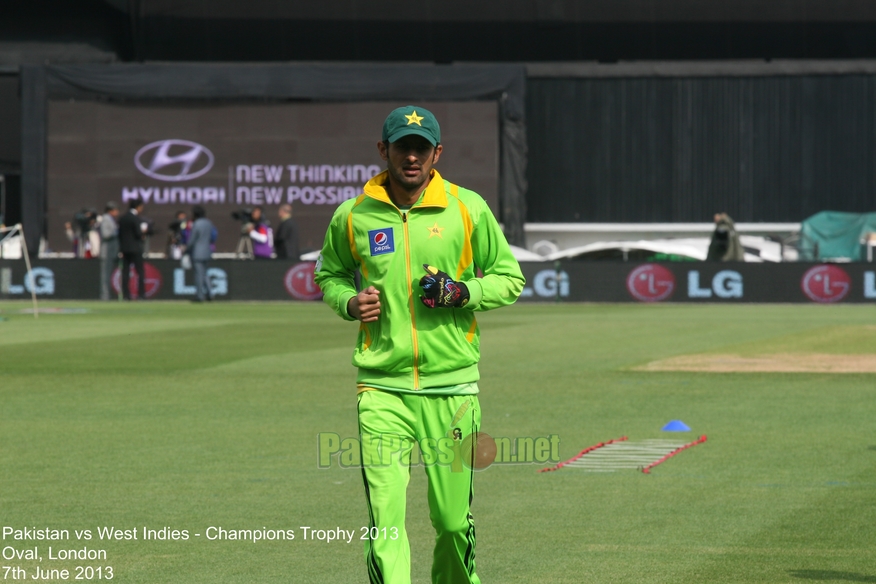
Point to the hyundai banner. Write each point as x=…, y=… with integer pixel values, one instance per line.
x=231, y=157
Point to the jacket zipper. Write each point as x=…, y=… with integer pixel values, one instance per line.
x=411, y=301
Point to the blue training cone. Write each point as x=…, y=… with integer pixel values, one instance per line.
x=676, y=426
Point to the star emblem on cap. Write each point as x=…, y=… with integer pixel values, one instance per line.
x=435, y=230
x=414, y=118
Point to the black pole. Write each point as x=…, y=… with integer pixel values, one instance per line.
x=33, y=154
x=2, y=199
x=135, y=18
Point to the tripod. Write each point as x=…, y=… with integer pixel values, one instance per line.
x=244, y=247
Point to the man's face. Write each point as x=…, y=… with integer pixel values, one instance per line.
x=256, y=214
x=409, y=160
x=114, y=213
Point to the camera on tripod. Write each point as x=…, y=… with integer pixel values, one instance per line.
x=85, y=220
x=244, y=216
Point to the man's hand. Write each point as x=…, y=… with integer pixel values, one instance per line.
x=365, y=305
x=441, y=291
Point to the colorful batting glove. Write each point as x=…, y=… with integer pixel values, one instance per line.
x=441, y=291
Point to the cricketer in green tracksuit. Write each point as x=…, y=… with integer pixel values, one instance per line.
x=417, y=359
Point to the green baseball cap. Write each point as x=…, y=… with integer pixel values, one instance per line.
x=411, y=120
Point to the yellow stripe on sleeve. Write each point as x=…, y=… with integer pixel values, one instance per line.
x=467, y=257
x=351, y=238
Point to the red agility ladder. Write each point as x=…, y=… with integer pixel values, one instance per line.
x=582, y=453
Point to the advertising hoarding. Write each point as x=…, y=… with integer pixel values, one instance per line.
x=695, y=282
x=229, y=157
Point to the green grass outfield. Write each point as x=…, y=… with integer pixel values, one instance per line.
x=189, y=416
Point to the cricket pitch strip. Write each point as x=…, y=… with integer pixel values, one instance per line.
x=777, y=363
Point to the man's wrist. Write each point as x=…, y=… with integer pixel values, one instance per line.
x=475, y=293
x=345, y=300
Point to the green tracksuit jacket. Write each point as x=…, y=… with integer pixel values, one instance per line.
x=411, y=347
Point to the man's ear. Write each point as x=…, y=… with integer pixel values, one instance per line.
x=437, y=154
x=383, y=149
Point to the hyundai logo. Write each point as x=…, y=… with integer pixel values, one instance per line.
x=174, y=160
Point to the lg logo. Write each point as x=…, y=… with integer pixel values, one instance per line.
x=152, y=284
x=827, y=283
x=548, y=284
x=653, y=283
x=40, y=281
x=725, y=284
x=299, y=282
x=650, y=283
x=174, y=160
x=870, y=285
x=217, y=283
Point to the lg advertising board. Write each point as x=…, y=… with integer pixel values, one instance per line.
x=60, y=279
x=567, y=282
x=227, y=157
x=699, y=282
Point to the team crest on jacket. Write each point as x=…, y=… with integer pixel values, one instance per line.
x=381, y=241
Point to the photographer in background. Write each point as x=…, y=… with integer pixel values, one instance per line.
x=109, y=247
x=286, y=238
x=261, y=234
x=81, y=233
x=199, y=250
x=725, y=245
x=178, y=235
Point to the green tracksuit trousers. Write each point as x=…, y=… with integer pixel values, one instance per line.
x=392, y=426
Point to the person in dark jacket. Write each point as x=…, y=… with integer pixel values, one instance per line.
x=198, y=248
x=286, y=236
x=725, y=245
x=131, y=228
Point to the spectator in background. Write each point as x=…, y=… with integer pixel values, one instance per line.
x=109, y=247
x=261, y=234
x=178, y=235
x=131, y=230
x=286, y=238
x=198, y=248
x=725, y=245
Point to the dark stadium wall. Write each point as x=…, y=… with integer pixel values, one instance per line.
x=74, y=23
x=645, y=149
x=166, y=38
x=445, y=31
x=506, y=30
x=510, y=10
